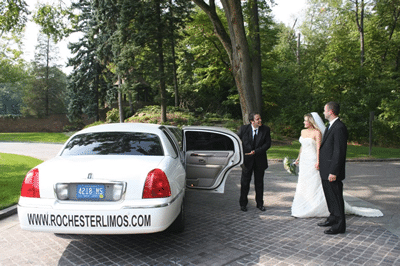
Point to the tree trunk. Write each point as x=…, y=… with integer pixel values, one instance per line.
x=298, y=49
x=396, y=15
x=96, y=91
x=173, y=55
x=237, y=48
x=130, y=103
x=120, y=107
x=161, y=61
x=47, y=76
x=360, y=25
x=256, y=55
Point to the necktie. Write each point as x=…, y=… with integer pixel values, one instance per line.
x=254, y=138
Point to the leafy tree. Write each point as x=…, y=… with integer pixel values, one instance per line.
x=46, y=93
x=140, y=44
x=87, y=86
x=204, y=69
x=10, y=99
x=348, y=51
x=237, y=47
x=268, y=33
x=330, y=66
x=12, y=74
x=54, y=20
x=255, y=48
x=41, y=92
x=286, y=85
x=385, y=66
x=13, y=15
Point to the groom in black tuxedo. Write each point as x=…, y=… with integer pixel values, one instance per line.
x=332, y=160
x=256, y=140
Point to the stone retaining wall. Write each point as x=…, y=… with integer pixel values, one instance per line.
x=53, y=123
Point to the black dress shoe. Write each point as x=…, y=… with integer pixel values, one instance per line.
x=326, y=223
x=261, y=208
x=334, y=232
x=243, y=208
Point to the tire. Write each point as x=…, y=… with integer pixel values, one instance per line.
x=178, y=226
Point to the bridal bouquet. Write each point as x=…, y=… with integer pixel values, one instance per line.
x=289, y=165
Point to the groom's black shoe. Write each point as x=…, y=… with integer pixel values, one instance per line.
x=261, y=208
x=243, y=208
x=326, y=223
x=330, y=231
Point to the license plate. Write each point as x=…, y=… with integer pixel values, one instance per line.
x=90, y=191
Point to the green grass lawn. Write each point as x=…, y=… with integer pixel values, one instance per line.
x=13, y=169
x=34, y=137
x=353, y=152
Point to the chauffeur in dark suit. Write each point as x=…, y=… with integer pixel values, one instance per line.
x=256, y=140
x=332, y=160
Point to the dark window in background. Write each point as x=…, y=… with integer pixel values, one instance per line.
x=205, y=141
x=114, y=143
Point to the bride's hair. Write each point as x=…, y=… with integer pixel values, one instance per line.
x=311, y=120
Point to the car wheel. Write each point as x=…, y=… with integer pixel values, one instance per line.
x=178, y=225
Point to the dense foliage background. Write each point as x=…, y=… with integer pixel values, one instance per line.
x=135, y=53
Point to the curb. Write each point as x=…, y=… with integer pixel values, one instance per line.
x=8, y=212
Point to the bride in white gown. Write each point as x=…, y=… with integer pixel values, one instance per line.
x=309, y=199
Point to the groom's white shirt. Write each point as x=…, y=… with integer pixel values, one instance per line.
x=333, y=121
x=253, y=130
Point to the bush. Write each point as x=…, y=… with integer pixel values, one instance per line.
x=285, y=130
x=94, y=124
x=112, y=116
x=233, y=125
x=10, y=116
x=385, y=135
x=73, y=127
x=180, y=117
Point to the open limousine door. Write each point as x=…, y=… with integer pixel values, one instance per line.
x=210, y=154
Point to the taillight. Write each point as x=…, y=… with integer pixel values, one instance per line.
x=156, y=185
x=30, y=186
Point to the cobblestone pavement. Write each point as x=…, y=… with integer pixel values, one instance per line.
x=217, y=233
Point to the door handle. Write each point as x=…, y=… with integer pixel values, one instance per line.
x=202, y=161
x=201, y=155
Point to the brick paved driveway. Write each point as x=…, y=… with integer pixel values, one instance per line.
x=217, y=233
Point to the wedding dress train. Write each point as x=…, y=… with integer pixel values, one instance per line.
x=309, y=199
